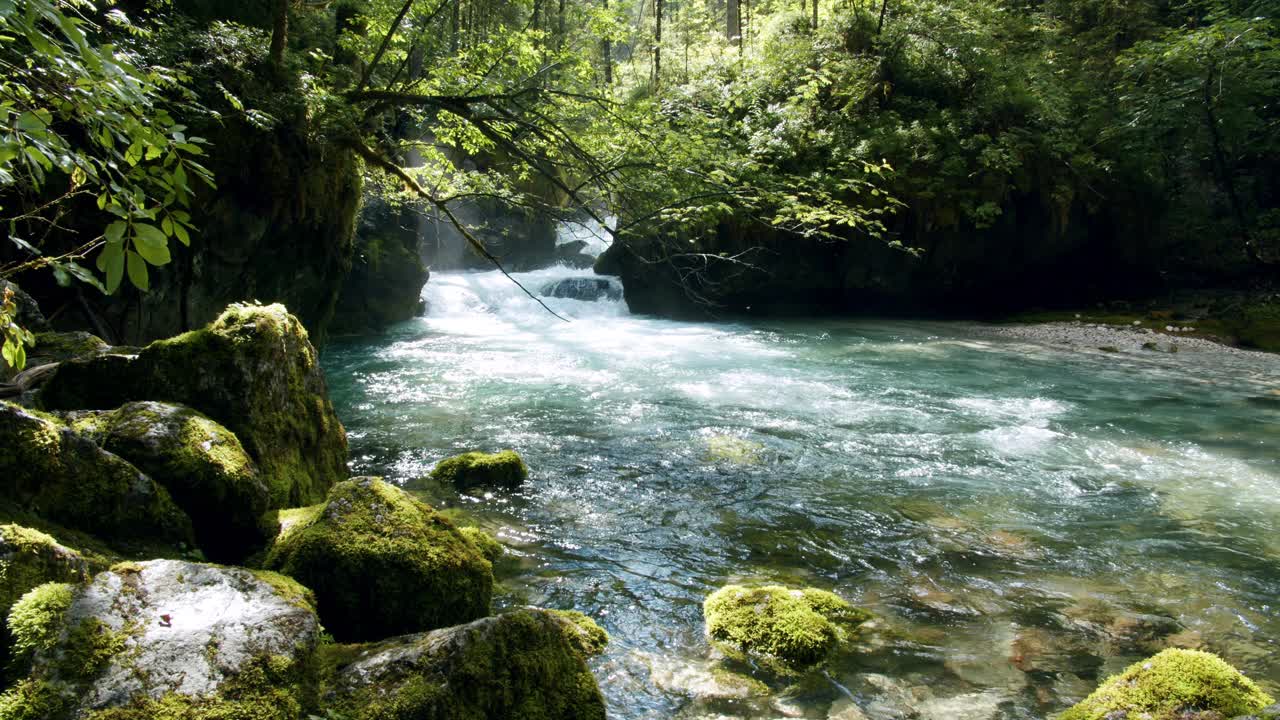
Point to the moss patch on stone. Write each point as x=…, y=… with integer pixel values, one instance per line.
x=270, y=688
x=51, y=471
x=590, y=638
x=382, y=563
x=1166, y=686
x=476, y=469
x=487, y=544
x=33, y=700
x=202, y=465
x=254, y=371
x=36, y=620
x=799, y=627
x=28, y=559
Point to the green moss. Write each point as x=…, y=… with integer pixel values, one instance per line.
x=63, y=346
x=382, y=563
x=36, y=620
x=590, y=638
x=799, y=627
x=524, y=664
x=1165, y=686
x=89, y=647
x=52, y=471
x=502, y=469
x=487, y=544
x=292, y=591
x=270, y=688
x=29, y=558
x=33, y=700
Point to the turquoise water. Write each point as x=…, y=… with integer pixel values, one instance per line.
x=1023, y=519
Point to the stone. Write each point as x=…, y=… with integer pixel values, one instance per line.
x=475, y=469
x=587, y=289
x=382, y=563
x=28, y=559
x=1170, y=683
x=254, y=371
x=166, y=639
x=524, y=664
x=202, y=465
x=799, y=627
x=48, y=469
x=387, y=273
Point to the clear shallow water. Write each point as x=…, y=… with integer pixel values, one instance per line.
x=1025, y=520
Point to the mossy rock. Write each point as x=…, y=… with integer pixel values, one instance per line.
x=487, y=544
x=63, y=346
x=202, y=465
x=1171, y=685
x=57, y=473
x=382, y=563
x=797, y=627
x=1256, y=325
x=525, y=664
x=28, y=559
x=476, y=469
x=165, y=640
x=254, y=371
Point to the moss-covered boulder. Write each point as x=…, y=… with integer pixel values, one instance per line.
x=476, y=469
x=165, y=639
x=796, y=627
x=526, y=664
x=387, y=272
x=50, y=470
x=202, y=465
x=1172, y=685
x=62, y=346
x=252, y=370
x=28, y=559
x=382, y=563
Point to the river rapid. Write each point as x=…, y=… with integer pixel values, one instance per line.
x=1023, y=519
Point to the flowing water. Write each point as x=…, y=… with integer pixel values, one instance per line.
x=1024, y=520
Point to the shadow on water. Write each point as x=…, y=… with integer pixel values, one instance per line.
x=1023, y=520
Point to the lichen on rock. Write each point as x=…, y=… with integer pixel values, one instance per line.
x=252, y=370
x=797, y=627
x=49, y=469
x=202, y=465
x=165, y=639
x=382, y=563
x=1171, y=685
x=525, y=664
x=503, y=469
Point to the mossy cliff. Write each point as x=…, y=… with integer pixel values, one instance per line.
x=50, y=470
x=381, y=563
x=254, y=371
x=201, y=463
x=387, y=272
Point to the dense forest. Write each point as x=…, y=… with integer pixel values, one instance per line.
x=214, y=212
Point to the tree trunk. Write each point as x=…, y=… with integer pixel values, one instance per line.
x=815, y=14
x=884, y=8
x=1222, y=169
x=608, y=55
x=455, y=25
x=733, y=22
x=279, y=34
x=657, y=43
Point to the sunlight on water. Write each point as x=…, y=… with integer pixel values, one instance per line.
x=1023, y=519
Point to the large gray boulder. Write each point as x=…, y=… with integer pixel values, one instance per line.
x=165, y=636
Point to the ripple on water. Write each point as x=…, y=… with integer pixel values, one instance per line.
x=1023, y=519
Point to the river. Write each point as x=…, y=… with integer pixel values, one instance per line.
x=1023, y=519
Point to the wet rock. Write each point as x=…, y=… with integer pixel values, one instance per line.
x=573, y=255
x=589, y=289
x=254, y=371
x=165, y=639
x=387, y=273
x=48, y=469
x=200, y=463
x=702, y=681
x=381, y=563
x=969, y=706
x=797, y=627
x=523, y=664
x=1168, y=685
x=475, y=469
x=845, y=709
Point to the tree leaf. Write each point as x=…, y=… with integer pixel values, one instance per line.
x=111, y=261
x=138, y=271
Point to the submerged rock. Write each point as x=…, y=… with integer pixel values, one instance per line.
x=475, y=469
x=200, y=463
x=164, y=639
x=799, y=627
x=52, y=471
x=381, y=563
x=589, y=289
x=252, y=370
x=526, y=664
x=1174, y=684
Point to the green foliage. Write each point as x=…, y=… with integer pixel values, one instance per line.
x=82, y=116
x=1168, y=685
x=16, y=338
